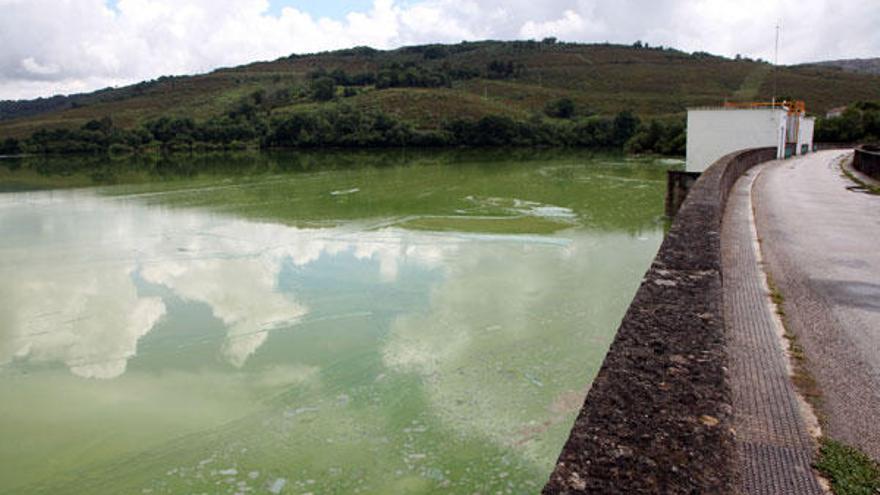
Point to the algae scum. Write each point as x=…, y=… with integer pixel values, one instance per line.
x=337, y=323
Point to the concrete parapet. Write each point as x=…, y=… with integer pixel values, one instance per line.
x=678, y=184
x=867, y=161
x=832, y=146
x=658, y=416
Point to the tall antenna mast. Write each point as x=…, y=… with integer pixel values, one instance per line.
x=775, y=62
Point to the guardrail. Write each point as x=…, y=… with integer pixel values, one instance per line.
x=867, y=161
x=657, y=418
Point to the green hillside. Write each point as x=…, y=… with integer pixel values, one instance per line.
x=468, y=80
x=860, y=65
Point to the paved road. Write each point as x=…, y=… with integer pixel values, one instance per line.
x=774, y=447
x=821, y=243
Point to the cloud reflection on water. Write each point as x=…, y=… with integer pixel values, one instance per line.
x=504, y=322
x=69, y=281
x=90, y=321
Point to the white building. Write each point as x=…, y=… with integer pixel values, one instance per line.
x=834, y=112
x=717, y=131
x=804, y=135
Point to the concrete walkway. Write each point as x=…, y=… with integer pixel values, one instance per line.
x=821, y=243
x=773, y=444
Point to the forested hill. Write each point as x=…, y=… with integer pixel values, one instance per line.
x=427, y=86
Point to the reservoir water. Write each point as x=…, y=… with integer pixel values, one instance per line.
x=336, y=323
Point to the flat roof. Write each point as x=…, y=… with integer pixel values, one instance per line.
x=735, y=109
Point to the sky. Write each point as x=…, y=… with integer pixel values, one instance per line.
x=52, y=47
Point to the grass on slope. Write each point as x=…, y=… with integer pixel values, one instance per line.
x=751, y=85
x=430, y=107
x=821, y=88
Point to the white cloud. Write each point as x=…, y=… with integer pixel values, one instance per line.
x=84, y=44
x=570, y=24
x=32, y=66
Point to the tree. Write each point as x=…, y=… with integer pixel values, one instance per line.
x=435, y=52
x=562, y=108
x=323, y=89
x=259, y=97
x=340, y=77
x=166, y=130
x=244, y=108
x=279, y=97
x=499, y=69
x=10, y=146
x=104, y=125
x=496, y=130
x=860, y=122
x=594, y=132
x=625, y=124
x=666, y=137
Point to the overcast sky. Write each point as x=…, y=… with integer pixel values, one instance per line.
x=62, y=46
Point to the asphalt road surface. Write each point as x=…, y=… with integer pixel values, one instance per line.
x=820, y=239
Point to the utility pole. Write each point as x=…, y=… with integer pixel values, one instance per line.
x=775, y=63
x=780, y=150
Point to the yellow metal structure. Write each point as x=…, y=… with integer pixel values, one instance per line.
x=797, y=107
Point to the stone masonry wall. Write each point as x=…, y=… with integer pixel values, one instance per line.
x=657, y=418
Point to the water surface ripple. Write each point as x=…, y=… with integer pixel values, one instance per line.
x=428, y=325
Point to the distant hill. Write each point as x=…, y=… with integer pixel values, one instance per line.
x=10, y=109
x=857, y=65
x=434, y=83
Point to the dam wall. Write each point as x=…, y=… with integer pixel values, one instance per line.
x=657, y=418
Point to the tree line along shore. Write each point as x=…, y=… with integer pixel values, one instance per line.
x=251, y=122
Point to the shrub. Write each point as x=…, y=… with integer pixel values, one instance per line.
x=119, y=149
